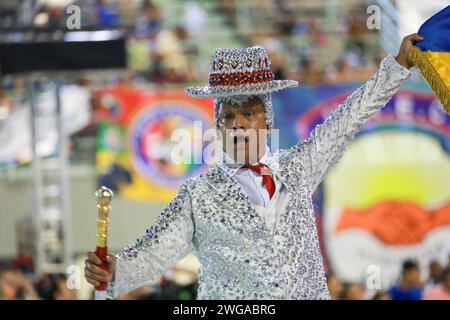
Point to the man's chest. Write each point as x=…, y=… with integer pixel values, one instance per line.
x=223, y=208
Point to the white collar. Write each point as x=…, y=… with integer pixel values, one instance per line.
x=232, y=168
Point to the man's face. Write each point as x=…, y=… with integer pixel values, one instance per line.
x=435, y=269
x=244, y=131
x=412, y=276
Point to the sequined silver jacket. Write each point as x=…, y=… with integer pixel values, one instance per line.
x=240, y=257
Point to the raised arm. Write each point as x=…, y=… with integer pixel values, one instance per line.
x=328, y=141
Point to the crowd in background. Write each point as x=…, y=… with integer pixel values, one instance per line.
x=18, y=281
x=409, y=286
x=165, y=53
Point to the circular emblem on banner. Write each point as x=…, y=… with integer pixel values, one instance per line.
x=166, y=141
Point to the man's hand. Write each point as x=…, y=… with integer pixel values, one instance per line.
x=407, y=43
x=92, y=271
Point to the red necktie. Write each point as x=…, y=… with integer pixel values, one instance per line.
x=267, y=177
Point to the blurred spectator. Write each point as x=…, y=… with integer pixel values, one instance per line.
x=23, y=261
x=275, y=50
x=15, y=285
x=381, y=296
x=353, y=291
x=228, y=7
x=436, y=272
x=349, y=69
x=410, y=286
x=334, y=286
x=5, y=104
x=441, y=290
x=170, y=64
x=195, y=20
x=47, y=286
x=310, y=73
x=105, y=14
x=62, y=292
x=317, y=36
x=149, y=21
x=373, y=67
x=289, y=25
x=344, y=73
x=356, y=29
x=127, y=9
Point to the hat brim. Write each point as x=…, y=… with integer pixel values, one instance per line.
x=242, y=89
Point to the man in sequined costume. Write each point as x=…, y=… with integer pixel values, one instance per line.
x=251, y=223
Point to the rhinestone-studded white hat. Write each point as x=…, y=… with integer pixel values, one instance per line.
x=236, y=72
x=237, y=75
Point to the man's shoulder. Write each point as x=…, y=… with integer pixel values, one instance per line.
x=287, y=159
x=195, y=182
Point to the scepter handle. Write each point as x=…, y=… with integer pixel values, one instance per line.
x=104, y=196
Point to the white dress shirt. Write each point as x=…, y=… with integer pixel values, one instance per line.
x=252, y=184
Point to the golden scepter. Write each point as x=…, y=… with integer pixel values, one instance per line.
x=104, y=196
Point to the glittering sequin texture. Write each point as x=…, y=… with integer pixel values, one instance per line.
x=240, y=71
x=241, y=258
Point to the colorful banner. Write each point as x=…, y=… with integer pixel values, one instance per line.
x=388, y=199
x=134, y=144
